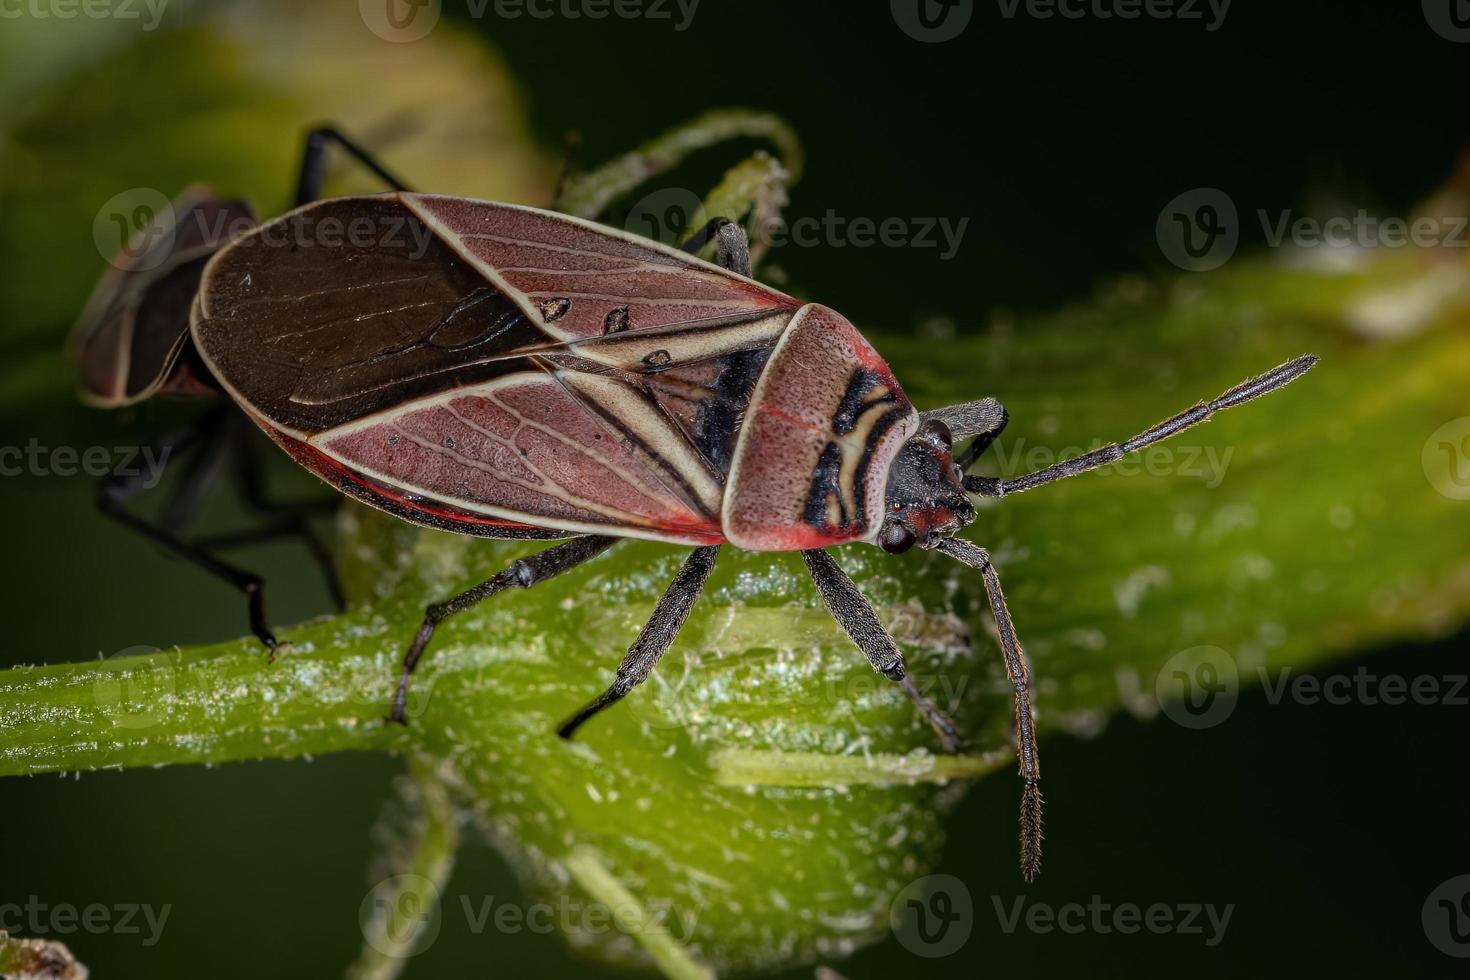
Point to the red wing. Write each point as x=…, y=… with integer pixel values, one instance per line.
x=523, y=447
x=588, y=279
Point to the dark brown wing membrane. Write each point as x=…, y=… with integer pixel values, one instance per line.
x=348, y=307
x=128, y=339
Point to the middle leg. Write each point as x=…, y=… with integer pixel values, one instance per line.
x=668, y=617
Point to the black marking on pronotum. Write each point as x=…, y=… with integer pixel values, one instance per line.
x=826, y=489
x=855, y=400
x=860, y=478
x=554, y=309
x=616, y=320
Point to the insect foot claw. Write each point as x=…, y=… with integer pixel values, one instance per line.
x=274, y=647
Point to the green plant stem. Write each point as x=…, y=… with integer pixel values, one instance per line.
x=213, y=703
x=590, y=194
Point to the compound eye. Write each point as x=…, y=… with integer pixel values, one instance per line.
x=895, y=538
x=937, y=434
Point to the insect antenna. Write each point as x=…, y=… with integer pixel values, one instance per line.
x=1262, y=384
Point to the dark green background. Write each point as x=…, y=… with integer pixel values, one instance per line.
x=1060, y=141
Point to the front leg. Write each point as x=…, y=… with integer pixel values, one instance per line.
x=1019, y=672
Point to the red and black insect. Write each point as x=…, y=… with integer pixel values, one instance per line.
x=509, y=372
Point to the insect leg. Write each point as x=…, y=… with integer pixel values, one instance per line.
x=982, y=421
x=855, y=614
x=520, y=574
x=668, y=616
x=314, y=164
x=1019, y=672
x=292, y=518
x=732, y=245
x=732, y=249
x=118, y=488
x=1255, y=387
x=206, y=451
